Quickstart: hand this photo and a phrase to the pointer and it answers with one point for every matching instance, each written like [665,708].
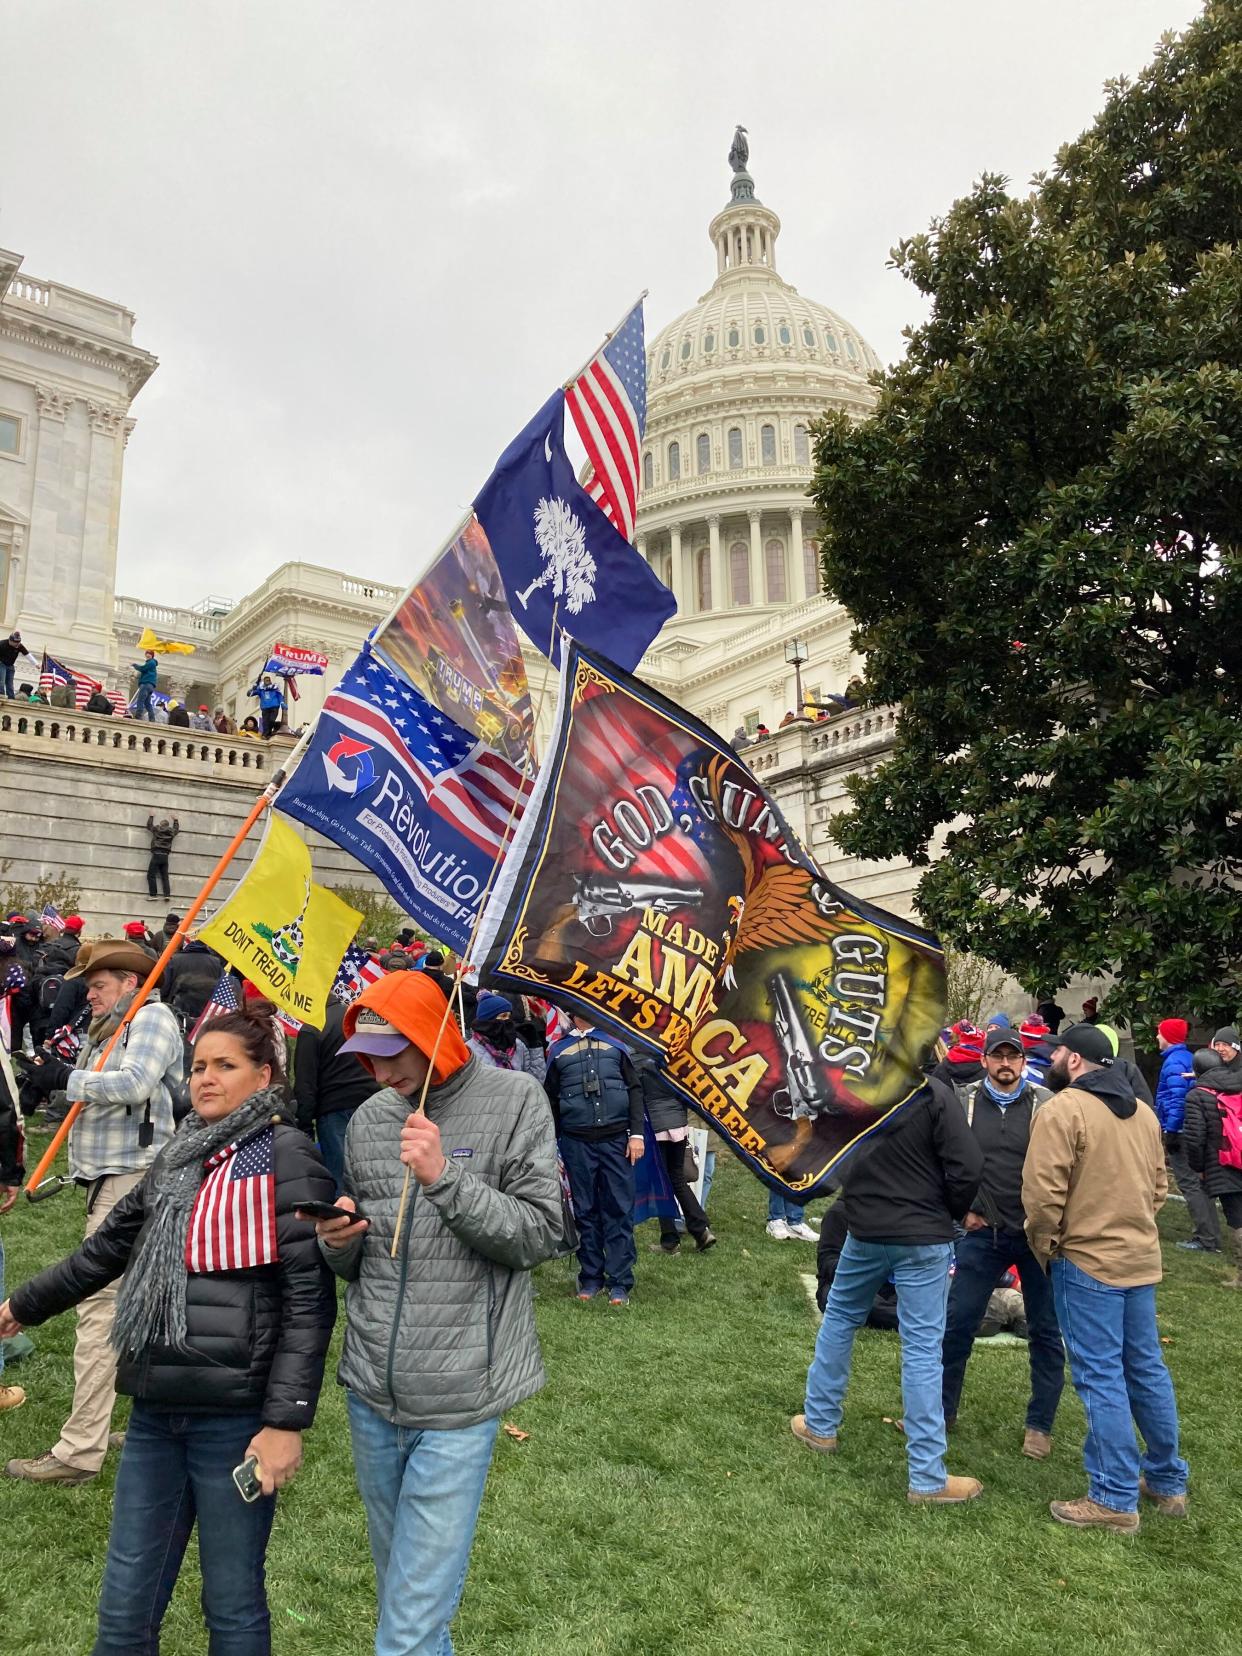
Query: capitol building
[734,384]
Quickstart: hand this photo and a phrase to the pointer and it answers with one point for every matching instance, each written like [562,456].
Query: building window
[703,448]
[802,449]
[739,573]
[767,445]
[674,462]
[735,337]
[735,448]
[774,566]
[709,344]
[750,721]
[810,567]
[760,335]
[808,337]
[784,335]
[685,350]
[10,434]
[648,470]
[666,356]
[703,579]
[851,350]
[830,340]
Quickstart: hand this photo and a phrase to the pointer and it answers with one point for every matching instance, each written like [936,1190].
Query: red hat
[1174,1030]
[134,928]
[1033,1030]
[965,1034]
[74,923]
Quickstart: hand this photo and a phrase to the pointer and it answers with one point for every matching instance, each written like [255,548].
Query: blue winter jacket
[593,1088]
[148,672]
[268,694]
[1177,1077]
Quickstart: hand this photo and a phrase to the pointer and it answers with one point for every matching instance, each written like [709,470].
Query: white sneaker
[778,1230]
[803,1232]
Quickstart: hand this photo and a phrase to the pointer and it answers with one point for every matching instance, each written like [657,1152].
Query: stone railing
[805,745]
[34,293]
[93,737]
[138,613]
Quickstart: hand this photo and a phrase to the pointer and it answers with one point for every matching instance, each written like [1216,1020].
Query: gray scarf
[150,1308]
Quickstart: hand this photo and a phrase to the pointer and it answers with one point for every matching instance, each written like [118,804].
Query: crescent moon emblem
[547,448]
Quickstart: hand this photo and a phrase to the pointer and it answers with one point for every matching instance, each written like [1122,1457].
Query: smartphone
[246,1477]
[325,1210]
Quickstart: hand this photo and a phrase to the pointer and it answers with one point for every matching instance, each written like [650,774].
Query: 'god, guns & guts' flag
[655,886]
[281,930]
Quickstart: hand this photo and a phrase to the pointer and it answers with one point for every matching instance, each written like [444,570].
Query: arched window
[784,335]
[830,340]
[685,350]
[709,343]
[774,571]
[735,337]
[851,350]
[802,449]
[808,337]
[739,573]
[760,335]
[648,470]
[703,448]
[703,579]
[810,566]
[767,445]
[735,448]
[666,356]
[674,462]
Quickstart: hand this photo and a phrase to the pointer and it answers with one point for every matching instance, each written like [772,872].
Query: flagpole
[174,943]
[566,385]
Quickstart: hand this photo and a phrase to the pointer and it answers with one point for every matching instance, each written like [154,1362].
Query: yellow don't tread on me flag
[164,646]
[283,932]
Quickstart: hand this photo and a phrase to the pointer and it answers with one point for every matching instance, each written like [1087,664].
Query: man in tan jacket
[1093,1182]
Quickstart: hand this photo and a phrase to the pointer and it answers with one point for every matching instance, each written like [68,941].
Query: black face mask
[497,1032]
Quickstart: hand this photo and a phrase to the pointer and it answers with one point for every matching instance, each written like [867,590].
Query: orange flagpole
[213,879]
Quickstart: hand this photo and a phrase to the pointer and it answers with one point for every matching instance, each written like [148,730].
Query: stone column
[640,545]
[677,575]
[720,589]
[797,576]
[756,560]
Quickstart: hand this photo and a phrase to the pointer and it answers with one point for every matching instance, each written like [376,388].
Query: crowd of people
[1020,1191]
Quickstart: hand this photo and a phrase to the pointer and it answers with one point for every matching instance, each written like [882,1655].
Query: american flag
[464,781]
[233,1223]
[53,673]
[14,981]
[51,919]
[357,972]
[224,999]
[608,402]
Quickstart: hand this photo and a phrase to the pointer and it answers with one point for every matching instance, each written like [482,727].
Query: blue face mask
[1003,1098]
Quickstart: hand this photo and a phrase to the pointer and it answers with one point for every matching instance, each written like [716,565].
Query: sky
[367,239]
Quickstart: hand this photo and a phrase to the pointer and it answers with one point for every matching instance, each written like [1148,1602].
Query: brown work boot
[813,1440]
[1036,1445]
[47,1469]
[11,1397]
[955,1491]
[1168,1506]
[1085,1513]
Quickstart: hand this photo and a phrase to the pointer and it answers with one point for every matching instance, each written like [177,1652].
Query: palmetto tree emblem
[567,561]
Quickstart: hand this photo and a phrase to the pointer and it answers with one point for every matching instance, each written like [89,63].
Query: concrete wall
[76,798]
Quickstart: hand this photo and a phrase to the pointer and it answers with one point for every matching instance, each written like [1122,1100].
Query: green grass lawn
[661,1504]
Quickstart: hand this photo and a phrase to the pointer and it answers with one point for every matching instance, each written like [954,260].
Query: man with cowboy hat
[127,1120]
[441,1340]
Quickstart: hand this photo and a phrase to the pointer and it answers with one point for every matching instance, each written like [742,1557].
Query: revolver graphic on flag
[600,899]
[802,1097]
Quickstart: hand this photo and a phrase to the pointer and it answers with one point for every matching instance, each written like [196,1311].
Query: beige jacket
[1094,1180]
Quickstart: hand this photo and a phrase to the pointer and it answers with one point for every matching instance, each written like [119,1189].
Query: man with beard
[1092,1185]
[1000,1112]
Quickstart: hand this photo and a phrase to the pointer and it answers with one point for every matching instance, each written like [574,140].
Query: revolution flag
[411,796]
[560,558]
[282,932]
[655,886]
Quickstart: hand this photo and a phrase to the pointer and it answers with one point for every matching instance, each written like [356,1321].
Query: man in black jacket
[999,1112]
[162,833]
[190,979]
[902,1193]
[328,1088]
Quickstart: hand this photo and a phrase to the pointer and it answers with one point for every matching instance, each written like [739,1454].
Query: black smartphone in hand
[326,1210]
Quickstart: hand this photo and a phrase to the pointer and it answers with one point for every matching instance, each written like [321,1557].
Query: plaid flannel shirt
[104,1138]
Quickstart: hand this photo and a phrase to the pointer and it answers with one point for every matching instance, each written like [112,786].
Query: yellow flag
[281,930]
[164,646]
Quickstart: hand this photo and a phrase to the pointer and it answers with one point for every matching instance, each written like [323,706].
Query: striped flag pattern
[357,972]
[608,403]
[53,673]
[233,1222]
[51,919]
[223,999]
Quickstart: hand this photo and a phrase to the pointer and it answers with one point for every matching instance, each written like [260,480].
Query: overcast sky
[366,239]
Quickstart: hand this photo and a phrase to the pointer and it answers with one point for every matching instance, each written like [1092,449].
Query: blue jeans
[920,1273]
[780,1207]
[421,1491]
[602,1182]
[1118,1371]
[176,1469]
[6,680]
[981,1257]
[330,1133]
[142,703]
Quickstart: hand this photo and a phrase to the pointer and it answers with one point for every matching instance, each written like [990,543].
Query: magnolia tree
[1038,538]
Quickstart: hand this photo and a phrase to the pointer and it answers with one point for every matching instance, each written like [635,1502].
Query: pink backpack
[1230,1129]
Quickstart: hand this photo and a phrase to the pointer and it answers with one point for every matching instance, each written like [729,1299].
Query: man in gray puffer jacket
[441,1339]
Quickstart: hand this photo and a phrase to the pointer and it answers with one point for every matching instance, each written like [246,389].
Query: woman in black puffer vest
[222,1327]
